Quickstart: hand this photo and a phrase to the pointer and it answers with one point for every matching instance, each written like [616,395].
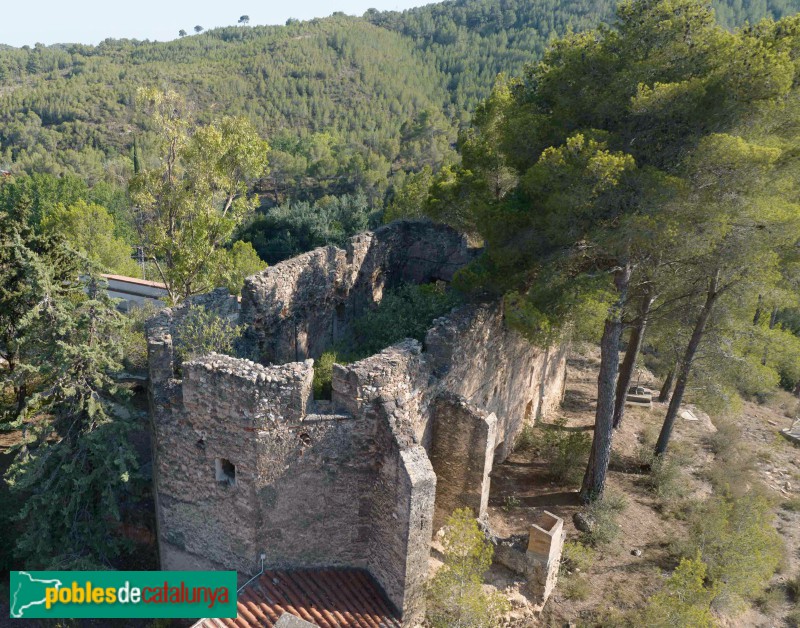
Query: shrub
[526,439]
[738,542]
[644,451]
[134,342]
[604,513]
[770,600]
[736,477]
[405,312]
[733,473]
[725,439]
[792,505]
[575,587]
[576,557]
[565,451]
[323,375]
[240,262]
[666,480]
[201,332]
[299,226]
[455,594]
[611,617]
[793,619]
[684,600]
[793,589]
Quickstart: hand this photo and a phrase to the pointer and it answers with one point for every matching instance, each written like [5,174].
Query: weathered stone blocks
[461,452]
[246,462]
[537,557]
[298,308]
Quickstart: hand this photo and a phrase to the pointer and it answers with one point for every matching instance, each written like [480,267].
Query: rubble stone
[246,461]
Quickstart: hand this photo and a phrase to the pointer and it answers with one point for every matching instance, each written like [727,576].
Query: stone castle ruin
[248,464]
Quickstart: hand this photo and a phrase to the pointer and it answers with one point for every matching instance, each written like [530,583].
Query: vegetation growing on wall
[404,312]
[296,227]
[201,331]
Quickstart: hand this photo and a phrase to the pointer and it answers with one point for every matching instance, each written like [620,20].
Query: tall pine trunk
[666,389]
[631,353]
[757,315]
[773,320]
[686,364]
[594,480]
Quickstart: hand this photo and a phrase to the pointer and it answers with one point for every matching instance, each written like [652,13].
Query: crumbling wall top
[222,386]
[300,307]
[243,448]
[396,378]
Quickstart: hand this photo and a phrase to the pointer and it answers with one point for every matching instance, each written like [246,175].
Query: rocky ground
[627,571]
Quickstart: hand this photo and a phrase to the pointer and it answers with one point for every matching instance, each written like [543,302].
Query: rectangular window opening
[226,471]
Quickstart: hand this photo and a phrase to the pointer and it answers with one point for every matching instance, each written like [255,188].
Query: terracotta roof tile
[329,598]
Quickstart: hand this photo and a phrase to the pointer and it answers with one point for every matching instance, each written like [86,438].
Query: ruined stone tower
[246,462]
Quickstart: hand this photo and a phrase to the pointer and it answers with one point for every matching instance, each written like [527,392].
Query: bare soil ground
[619,581]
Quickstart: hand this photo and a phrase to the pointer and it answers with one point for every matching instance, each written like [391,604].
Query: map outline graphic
[17,613]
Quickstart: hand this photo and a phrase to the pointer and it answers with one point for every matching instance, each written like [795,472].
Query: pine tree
[614,162]
[75,461]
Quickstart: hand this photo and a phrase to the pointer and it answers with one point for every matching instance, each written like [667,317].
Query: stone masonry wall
[311,490]
[298,308]
[226,407]
[364,480]
[476,356]
[461,453]
[390,386]
[298,475]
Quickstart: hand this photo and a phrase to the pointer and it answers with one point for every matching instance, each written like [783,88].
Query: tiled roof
[330,598]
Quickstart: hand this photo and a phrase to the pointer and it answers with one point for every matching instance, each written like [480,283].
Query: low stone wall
[536,556]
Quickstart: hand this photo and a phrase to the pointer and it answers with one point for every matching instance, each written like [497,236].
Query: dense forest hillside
[332,93]
[345,102]
[471,41]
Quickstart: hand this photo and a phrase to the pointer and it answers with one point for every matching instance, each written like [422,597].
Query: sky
[91,21]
